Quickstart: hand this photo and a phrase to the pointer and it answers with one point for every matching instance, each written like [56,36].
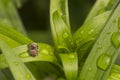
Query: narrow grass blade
[7,31]
[45,53]
[62,35]
[103,53]
[70,65]
[18,69]
[18,3]
[99,7]
[87,34]
[62,7]
[13,16]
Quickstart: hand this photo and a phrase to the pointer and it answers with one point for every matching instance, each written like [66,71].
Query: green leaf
[18,3]
[103,45]
[70,65]
[62,35]
[18,69]
[10,42]
[86,35]
[13,15]
[100,7]
[13,34]
[62,7]
[45,53]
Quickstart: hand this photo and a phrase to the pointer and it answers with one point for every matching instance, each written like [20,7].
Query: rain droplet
[24,55]
[16,63]
[28,76]
[104,61]
[44,51]
[72,56]
[89,69]
[116,39]
[119,23]
[65,35]
[89,32]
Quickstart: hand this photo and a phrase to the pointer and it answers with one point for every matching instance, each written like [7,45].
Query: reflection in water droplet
[116,39]
[65,35]
[104,61]
[44,51]
[89,32]
[119,23]
[28,76]
[16,63]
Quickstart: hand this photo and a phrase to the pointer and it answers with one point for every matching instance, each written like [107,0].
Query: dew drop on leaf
[24,55]
[116,39]
[16,63]
[119,23]
[89,69]
[104,61]
[44,51]
[65,35]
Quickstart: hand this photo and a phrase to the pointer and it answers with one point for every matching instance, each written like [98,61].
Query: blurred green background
[35,17]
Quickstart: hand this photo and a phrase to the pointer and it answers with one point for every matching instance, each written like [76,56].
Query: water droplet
[116,39]
[44,51]
[24,55]
[89,69]
[16,63]
[89,32]
[28,76]
[65,35]
[119,22]
[72,56]
[104,61]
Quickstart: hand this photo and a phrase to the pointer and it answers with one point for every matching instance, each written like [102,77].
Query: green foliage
[89,54]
